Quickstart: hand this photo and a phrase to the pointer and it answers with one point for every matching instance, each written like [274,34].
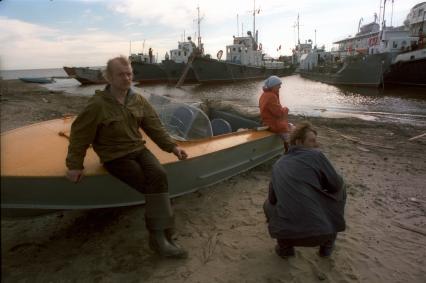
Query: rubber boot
[286,146]
[160,224]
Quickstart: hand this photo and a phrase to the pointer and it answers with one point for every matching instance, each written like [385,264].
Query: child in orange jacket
[273,114]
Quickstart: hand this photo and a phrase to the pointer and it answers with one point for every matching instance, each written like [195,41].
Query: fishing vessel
[180,60]
[176,67]
[362,60]
[409,67]
[220,144]
[170,70]
[146,69]
[245,60]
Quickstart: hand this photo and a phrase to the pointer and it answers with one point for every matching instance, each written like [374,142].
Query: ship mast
[254,34]
[254,17]
[198,22]
[384,7]
[298,38]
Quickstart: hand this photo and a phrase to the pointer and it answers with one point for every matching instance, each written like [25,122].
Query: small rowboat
[33,162]
[41,80]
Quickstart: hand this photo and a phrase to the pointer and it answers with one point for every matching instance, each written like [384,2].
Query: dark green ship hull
[366,70]
[214,71]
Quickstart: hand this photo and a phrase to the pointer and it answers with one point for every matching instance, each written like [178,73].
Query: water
[32,73]
[301,96]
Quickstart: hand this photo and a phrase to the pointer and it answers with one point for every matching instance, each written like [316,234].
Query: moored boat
[146,69]
[409,67]
[33,166]
[86,75]
[360,60]
[177,63]
[39,80]
[357,70]
[169,70]
[245,60]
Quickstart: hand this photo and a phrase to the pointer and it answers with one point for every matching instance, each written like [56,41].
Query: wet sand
[223,226]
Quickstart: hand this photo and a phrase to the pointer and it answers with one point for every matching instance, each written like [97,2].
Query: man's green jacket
[113,128]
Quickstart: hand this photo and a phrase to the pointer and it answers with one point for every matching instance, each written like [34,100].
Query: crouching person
[306,201]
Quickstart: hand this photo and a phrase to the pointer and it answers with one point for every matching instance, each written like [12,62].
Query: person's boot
[160,224]
[286,146]
[285,252]
[159,243]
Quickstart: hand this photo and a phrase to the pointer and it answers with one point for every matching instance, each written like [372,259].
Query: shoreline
[223,226]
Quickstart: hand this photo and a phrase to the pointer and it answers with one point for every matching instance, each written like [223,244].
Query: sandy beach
[223,226]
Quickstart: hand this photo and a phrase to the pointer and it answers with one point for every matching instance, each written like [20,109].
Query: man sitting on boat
[307,197]
[273,114]
[111,122]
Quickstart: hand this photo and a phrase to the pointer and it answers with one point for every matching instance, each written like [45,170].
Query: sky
[55,33]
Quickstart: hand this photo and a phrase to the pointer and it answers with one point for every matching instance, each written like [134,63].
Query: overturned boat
[220,144]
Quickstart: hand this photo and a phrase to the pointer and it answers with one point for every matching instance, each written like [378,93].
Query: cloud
[26,45]
[180,14]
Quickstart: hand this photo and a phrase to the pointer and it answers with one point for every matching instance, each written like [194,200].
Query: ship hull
[175,70]
[148,73]
[213,71]
[410,73]
[365,70]
[85,75]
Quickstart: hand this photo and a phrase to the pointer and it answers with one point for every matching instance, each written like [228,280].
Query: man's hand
[75,175]
[180,153]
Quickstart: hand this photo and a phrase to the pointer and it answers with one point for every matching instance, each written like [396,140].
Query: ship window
[184,53]
[179,53]
[233,48]
[394,44]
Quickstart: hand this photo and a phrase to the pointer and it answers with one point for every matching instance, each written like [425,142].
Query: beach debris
[415,200]
[409,228]
[363,149]
[45,100]
[358,140]
[209,248]
[417,137]
[321,276]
